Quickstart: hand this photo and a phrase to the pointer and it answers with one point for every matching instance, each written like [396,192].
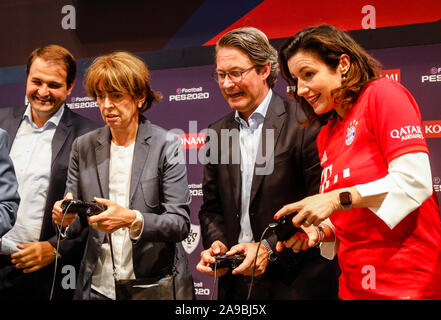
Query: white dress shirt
[31,153]
[120,170]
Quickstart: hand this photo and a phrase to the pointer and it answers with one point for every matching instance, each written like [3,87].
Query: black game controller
[284,228]
[82,208]
[230,262]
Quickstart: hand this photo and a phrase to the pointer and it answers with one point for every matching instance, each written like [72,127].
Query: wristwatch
[271,256]
[136,226]
[346,200]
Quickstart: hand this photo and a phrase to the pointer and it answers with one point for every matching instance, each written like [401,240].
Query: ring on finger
[306,223]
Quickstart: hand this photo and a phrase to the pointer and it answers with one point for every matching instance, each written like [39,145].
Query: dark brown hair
[329,43]
[56,54]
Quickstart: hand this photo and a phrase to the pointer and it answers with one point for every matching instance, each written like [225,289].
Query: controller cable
[214,281]
[271,226]
[60,234]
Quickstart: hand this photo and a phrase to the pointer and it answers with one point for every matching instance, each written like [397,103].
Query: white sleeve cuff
[329,249]
[408,184]
[137,226]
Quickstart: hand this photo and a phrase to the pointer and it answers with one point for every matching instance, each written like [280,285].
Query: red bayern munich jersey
[377,262]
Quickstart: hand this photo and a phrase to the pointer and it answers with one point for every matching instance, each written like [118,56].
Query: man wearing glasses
[271,161]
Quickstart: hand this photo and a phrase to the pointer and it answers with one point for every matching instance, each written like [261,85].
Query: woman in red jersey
[376,207]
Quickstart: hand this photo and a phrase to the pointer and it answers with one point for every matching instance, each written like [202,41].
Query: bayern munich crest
[192,241]
[350,135]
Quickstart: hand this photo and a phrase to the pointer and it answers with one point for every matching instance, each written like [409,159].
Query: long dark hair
[329,43]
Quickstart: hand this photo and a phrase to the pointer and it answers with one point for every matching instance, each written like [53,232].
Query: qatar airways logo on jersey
[407,133]
[186,94]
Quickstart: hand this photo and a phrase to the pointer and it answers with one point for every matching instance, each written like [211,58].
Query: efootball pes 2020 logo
[188,94]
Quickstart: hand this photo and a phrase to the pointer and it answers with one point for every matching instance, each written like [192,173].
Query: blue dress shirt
[249,140]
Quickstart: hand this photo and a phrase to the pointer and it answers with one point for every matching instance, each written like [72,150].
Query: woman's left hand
[301,240]
[112,219]
[312,210]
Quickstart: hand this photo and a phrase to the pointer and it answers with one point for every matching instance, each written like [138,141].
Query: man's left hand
[33,256]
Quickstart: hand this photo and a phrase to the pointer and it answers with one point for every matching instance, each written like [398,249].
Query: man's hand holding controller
[65,211]
[58,215]
[102,214]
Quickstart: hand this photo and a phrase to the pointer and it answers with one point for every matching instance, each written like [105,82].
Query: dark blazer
[9,198]
[158,189]
[296,174]
[71,125]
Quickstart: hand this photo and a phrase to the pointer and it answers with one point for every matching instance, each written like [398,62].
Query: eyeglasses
[235,76]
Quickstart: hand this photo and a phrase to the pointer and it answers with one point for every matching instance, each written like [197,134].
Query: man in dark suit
[270,162]
[40,139]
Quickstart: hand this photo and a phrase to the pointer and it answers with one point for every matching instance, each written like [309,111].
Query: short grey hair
[256,45]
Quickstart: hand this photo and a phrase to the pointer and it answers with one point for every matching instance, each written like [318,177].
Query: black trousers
[304,276]
[16,285]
